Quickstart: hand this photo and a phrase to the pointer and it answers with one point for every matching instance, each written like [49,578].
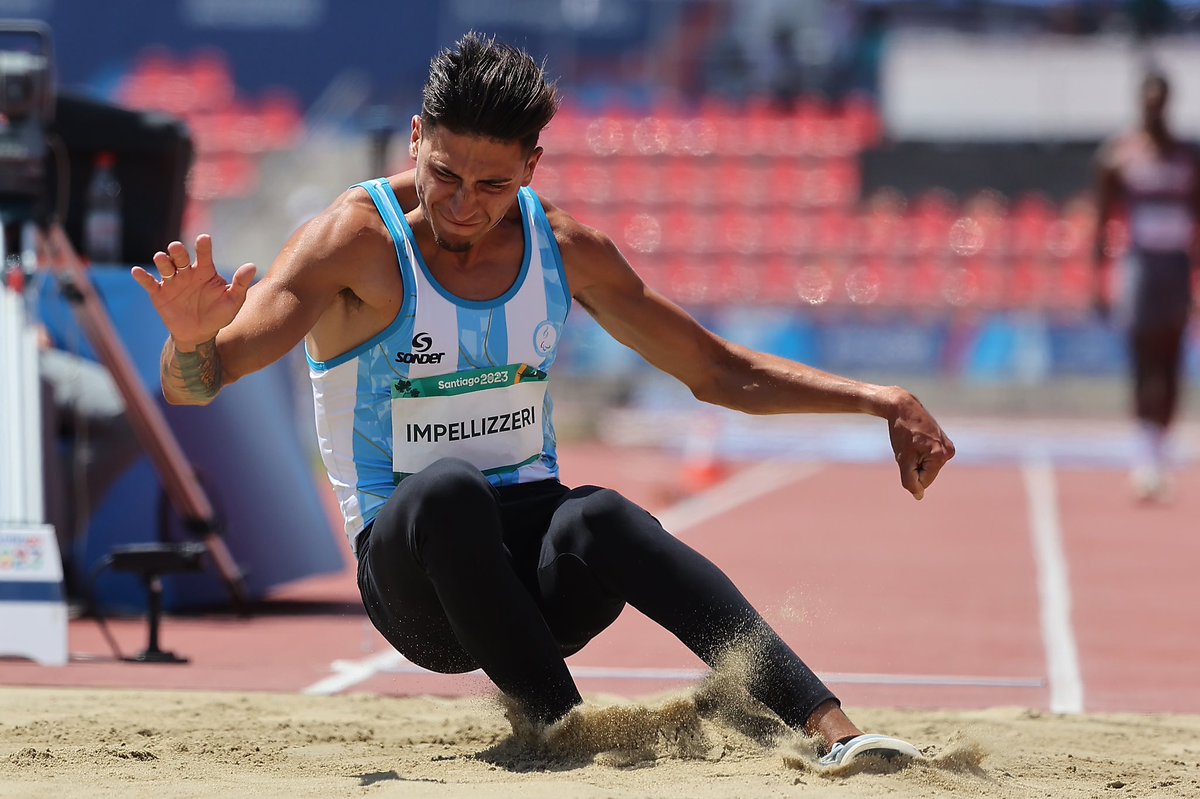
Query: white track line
[1054,587]
[348,673]
[351,672]
[746,485]
[739,489]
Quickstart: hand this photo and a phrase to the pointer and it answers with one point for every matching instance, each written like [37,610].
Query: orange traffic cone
[702,464]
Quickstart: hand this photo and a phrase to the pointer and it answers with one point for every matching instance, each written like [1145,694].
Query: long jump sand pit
[702,743]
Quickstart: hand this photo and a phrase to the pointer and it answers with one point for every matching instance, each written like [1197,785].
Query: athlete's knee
[607,517]
[607,507]
[447,488]
[441,503]
[441,660]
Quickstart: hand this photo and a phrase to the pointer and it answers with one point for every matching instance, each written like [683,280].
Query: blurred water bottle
[102,224]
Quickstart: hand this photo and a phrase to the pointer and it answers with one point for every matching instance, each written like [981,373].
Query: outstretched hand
[921,446]
[193,300]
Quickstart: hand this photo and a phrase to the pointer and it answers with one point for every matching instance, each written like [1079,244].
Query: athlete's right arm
[222,331]
[1108,187]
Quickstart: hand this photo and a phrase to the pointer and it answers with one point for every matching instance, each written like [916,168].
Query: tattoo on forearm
[195,375]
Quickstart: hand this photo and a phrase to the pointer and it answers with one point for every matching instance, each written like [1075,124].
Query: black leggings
[459,575]
[1157,371]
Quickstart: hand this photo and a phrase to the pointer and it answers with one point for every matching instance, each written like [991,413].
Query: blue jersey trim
[325,366]
[385,200]
[539,212]
[503,298]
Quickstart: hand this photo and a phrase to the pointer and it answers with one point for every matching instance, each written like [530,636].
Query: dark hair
[482,87]
[1155,79]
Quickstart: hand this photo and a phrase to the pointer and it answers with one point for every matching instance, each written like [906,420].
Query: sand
[701,743]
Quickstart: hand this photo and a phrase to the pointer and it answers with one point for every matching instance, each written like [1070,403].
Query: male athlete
[1154,180]
[431,305]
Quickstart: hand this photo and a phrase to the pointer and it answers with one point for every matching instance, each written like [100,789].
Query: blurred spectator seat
[229,131]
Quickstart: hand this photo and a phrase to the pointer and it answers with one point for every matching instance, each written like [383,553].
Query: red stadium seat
[652,270]
[638,181]
[211,80]
[740,183]
[690,181]
[862,120]
[163,85]
[689,280]
[280,120]
[641,232]
[923,283]
[929,233]
[878,234]
[244,130]
[975,283]
[651,136]
[833,231]
[1071,286]
[689,231]
[818,282]
[779,278]
[1065,239]
[786,183]
[222,176]
[791,233]
[599,217]
[742,232]
[595,183]
[894,276]
[717,129]
[864,284]
[1029,285]
[1031,217]
[835,183]
[564,136]
[606,136]
[548,182]
[737,279]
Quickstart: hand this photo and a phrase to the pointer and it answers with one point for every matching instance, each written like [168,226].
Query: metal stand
[153,654]
[151,561]
[179,480]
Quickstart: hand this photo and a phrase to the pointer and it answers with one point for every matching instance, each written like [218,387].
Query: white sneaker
[883,747]
[1149,483]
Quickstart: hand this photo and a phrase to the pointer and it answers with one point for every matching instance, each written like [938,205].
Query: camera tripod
[179,481]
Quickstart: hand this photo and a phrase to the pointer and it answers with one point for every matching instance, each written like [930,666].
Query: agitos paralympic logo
[421,344]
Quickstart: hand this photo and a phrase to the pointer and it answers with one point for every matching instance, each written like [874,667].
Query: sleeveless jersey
[1159,193]
[447,377]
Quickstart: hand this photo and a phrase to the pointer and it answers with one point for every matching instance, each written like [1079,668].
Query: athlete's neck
[1158,134]
[484,271]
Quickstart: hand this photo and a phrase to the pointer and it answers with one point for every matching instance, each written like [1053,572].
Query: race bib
[490,417]
[1161,227]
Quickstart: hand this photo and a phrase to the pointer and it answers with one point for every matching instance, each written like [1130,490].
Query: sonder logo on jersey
[421,344]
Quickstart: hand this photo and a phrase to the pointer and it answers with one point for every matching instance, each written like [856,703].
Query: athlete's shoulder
[590,257]
[1112,151]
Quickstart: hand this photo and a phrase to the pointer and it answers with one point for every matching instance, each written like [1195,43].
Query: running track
[1031,580]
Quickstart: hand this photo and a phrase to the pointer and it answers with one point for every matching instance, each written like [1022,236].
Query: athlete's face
[1154,102]
[466,184]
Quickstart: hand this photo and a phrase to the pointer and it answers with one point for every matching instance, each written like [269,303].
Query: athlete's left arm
[1195,152]
[723,373]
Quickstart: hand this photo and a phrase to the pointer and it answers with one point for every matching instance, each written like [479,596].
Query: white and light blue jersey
[437,333]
